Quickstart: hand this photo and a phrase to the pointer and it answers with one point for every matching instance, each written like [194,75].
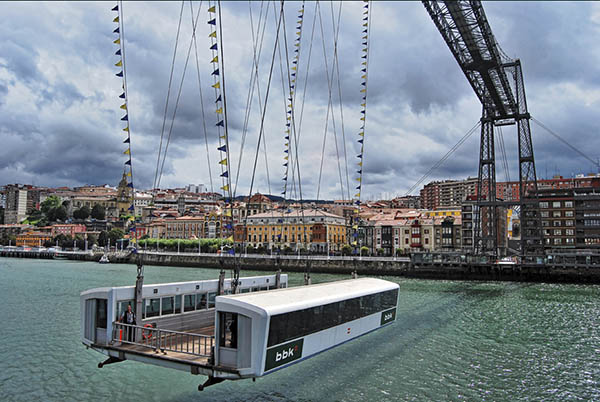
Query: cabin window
[167,305]
[189,303]
[151,307]
[245,290]
[201,301]
[178,304]
[211,300]
[101,316]
[228,330]
[295,324]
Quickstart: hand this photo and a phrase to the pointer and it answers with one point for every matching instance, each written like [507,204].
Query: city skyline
[420,104]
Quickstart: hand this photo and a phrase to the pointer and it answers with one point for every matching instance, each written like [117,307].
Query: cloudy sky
[60,117]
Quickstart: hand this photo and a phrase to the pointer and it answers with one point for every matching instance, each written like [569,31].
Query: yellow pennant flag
[212,34]
[359,163]
[286,144]
[355,227]
[291,93]
[365,49]
[363,90]
[356,211]
[364,77]
[299,22]
[223,162]
[230,238]
[127,152]
[215,59]
[289,117]
[365,37]
[357,195]
[287,131]
[364,63]
[285,158]
[363,104]
[126,129]
[297,44]
[223,137]
[217,85]
[354,243]
[128,174]
[119,64]
[361,134]
[212,9]
[117,41]
[116,19]
[228,212]
[219,110]
[294,80]
[225,187]
[365,24]
[298,33]
[362,118]
[358,179]
[123,106]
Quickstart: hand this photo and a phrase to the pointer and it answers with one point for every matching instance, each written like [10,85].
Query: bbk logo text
[282,354]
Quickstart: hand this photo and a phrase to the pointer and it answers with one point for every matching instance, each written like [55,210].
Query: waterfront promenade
[560,269]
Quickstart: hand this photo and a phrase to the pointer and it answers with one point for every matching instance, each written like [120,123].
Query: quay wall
[558,273]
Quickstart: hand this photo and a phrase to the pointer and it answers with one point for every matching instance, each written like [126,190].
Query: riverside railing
[163,340]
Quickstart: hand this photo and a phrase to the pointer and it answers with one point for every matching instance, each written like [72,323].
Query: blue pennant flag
[360,141]
[364,70]
[363,57]
[125,118]
[285,164]
[130,185]
[301,15]
[289,111]
[290,99]
[231,251]
[285,150]
[287,124]
[364,98]
[296,50]
[119,74]
[357,202]
[362,111]
[216,72]
[359,156]
[359,172]
[116,30]
[365,43]
[122,96]
[118,52]
[299,27]
[293,74]
[218,99]
[220,124]
[285,179]
[363,83]
[295,62]
[228,226]
[225,174]
[222,148]
[126,141]
[115,8]
[213,21]
[283,193]
[358,188]
[292,86]
[366,19]
[365,31]
[128,162]
[213,47]
[355,234]
[287,137]
[366,6]
[131,208]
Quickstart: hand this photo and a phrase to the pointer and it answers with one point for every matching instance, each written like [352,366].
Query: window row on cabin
[295,324]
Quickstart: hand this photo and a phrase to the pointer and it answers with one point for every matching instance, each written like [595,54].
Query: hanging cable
[162,131]
[444,158]
[202,101]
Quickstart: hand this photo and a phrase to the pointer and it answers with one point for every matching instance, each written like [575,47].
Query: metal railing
[163,340]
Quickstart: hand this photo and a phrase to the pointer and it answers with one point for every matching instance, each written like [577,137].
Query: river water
[453,340]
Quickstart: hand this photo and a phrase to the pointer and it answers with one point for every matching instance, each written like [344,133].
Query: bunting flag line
[290,107]
[355,220]
[119,41]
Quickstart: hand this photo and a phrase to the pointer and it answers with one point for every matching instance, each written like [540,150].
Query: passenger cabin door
[234,340]
[95,320]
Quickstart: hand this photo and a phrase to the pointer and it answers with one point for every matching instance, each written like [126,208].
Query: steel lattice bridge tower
[498,83]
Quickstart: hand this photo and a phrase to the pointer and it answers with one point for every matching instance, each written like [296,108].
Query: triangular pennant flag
[285,178]
[227,212]
[218,99]
[285,164]
[128,162]
[125,118]
[359,156]
[286,144]
[213,34]
[118,52]
[287,137]
[116,30]
[286,151]
[131,208]
[223,162]
[364,31]
[117,41]
[225,187]
[217,85]
[223,137]
[115,8]
[219,110]
[360,141]
[126,141]
[362,134]
[122,96]
[359,164]
[363,90]
[127,152]
[215,59]
[119,74]
[366,19]
[220,124]
[212,9]
[355,227]
[123,106]
[116,19]
[362,118]
[285,158]
[366,24]
[358,187]
[363,104]
[225,174]
[359,179]
[216,72]
[222,148]
[357,195]
[213,21]
[213,47]
[126,129]
[364,76]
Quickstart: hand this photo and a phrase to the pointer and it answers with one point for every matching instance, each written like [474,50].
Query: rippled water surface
[452,341]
